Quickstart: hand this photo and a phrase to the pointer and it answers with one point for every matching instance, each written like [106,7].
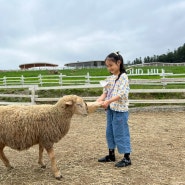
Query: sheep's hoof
[43,166]
[59,178]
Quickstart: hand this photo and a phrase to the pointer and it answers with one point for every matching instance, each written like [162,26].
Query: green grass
[96,91]
[68,72]
[92,71]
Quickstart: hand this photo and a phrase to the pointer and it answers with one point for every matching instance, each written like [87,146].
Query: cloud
[62,32]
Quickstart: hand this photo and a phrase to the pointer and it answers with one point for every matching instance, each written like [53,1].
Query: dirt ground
[158,154]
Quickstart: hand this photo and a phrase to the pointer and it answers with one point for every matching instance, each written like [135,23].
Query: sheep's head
[78,104]
[92,106]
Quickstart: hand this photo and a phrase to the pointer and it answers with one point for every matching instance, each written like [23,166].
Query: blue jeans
[117,131]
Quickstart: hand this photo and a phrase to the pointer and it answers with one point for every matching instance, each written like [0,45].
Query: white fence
[45,82]
[34,98]
[63,80]
[30,95]
[50,79]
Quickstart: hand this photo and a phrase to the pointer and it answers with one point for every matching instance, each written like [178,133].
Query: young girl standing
[115,100]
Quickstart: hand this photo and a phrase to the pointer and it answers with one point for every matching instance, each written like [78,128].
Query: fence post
[4,81]
[60,79]
[33,88]
[40,79]
[22,80]
[88,78]
[163,77]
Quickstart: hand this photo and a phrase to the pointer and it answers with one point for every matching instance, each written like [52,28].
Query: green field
[97,91]
[92,71]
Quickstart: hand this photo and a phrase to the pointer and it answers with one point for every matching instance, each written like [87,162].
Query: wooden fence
[34,99]
[49,80]
[62,80]
[30,95]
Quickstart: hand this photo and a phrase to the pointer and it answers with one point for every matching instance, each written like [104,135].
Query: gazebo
[39,64]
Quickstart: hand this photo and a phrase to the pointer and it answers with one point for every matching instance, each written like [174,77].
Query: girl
[115,100]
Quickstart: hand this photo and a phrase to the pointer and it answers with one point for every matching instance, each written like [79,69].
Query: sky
[60,32]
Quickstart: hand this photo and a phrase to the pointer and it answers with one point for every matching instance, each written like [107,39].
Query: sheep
[24,126]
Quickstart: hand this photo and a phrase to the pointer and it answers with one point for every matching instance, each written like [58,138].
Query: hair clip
[117,53]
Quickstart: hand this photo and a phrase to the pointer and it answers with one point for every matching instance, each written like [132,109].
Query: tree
[171,57]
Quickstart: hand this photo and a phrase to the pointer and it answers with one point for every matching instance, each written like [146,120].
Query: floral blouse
[119,88]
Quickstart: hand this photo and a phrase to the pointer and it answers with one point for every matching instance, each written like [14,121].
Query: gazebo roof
[39,64]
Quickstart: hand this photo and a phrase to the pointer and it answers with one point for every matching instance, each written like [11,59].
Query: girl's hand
[100,101]
[105,104]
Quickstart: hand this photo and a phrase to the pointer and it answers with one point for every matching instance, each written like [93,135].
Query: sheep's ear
[69,102]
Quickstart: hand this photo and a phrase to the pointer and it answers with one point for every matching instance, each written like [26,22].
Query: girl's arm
[106,103]
[102,97]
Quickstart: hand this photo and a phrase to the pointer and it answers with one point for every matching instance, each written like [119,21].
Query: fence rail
[133,101]
[63,80]
[31,95]
[35,99]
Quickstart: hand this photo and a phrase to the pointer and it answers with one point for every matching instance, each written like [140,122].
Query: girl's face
[113,67]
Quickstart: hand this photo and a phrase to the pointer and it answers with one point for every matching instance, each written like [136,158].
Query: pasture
[158,156]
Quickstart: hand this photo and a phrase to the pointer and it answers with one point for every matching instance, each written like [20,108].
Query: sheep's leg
[4,158]
[41,149]
[54,168]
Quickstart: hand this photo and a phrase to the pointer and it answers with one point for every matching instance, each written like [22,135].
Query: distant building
[38,64]
[87,64]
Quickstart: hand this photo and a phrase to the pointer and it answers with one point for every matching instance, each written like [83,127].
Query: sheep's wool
[24,126]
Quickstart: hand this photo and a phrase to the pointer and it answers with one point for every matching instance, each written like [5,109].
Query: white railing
[133,101]
[63,80]
[49,79]
[42,82]
[34,99]
[31,96]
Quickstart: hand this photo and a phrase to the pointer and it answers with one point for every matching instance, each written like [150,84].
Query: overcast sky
[63,31]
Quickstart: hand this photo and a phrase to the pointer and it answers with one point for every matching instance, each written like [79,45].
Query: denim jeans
[117,131]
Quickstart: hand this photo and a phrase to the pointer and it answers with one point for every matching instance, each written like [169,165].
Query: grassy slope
[98,91]
[93,72]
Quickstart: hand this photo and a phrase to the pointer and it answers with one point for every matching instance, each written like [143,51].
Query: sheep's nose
[85,113]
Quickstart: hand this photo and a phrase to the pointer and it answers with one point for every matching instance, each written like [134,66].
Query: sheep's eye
[79,105]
